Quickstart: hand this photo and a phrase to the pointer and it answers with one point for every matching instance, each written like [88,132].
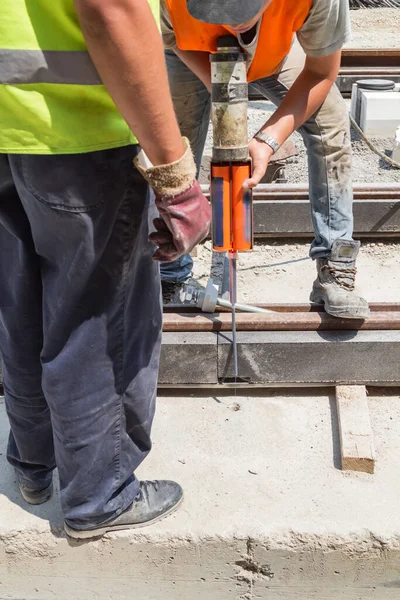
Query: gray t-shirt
[326,29]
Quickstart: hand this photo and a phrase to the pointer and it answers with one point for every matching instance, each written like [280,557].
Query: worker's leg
[327,139]
[30,447]
[101,321]
[192,106]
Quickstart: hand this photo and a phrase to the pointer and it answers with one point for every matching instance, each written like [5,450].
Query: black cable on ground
[372,146]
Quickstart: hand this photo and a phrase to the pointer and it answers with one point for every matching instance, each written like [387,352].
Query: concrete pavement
[267,512]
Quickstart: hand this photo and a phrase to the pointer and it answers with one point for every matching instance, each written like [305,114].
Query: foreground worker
[299,79]
[80,312]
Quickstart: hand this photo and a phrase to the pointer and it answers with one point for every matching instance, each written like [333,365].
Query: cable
[372,147]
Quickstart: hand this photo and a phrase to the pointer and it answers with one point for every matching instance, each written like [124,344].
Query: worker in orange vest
[293,57]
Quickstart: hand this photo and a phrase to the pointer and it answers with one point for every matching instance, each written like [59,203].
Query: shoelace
[339,275]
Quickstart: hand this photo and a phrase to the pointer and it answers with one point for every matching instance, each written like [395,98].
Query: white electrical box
[376,110]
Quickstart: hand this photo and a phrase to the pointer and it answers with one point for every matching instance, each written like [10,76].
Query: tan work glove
[185,212]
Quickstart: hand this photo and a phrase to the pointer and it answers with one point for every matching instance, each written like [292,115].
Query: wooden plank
[296,321]
[356,437]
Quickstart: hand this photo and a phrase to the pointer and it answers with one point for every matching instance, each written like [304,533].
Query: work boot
[155,501]
[334,286]
[36,496]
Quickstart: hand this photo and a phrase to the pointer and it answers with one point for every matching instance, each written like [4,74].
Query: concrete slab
[283,273]
[188,359]
[312,357]
[267,512]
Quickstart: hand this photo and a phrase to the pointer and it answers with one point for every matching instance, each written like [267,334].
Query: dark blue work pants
[80,323]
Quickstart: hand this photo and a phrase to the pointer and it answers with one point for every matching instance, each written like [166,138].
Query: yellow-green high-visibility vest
[51,97]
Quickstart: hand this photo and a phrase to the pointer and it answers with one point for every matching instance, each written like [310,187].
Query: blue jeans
[177,271]
[326,136]
[80,324]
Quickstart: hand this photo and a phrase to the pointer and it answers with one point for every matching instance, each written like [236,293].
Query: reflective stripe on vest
[47,66]
[280,20]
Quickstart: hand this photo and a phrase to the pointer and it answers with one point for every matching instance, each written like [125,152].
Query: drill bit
[233,297]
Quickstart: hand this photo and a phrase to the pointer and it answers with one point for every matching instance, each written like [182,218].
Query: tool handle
[232,207]
[220,192]
[242,208]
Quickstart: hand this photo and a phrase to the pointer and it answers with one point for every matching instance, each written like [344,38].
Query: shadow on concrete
[50,511]
[337,459]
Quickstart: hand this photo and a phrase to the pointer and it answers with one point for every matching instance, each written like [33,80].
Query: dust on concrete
[282,272]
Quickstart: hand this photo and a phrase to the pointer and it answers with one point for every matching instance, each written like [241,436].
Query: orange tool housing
[232,229]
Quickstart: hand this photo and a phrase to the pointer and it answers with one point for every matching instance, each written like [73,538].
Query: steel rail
[288,191]
[361,63]
[283,211]
[386,307]
[370,57]
[281,321]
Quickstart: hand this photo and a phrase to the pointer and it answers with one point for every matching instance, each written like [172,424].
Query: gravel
[375,28]
[368,167]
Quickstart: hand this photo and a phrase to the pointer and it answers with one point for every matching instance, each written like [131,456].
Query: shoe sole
[41,498]
[339,314]
[77,534]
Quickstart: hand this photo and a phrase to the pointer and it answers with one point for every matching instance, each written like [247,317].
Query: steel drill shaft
[233,294]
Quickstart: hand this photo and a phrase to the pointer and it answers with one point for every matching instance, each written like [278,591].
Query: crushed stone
[375,28]
[368,167]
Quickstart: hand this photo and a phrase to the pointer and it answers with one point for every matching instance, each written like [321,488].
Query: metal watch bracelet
[267,139]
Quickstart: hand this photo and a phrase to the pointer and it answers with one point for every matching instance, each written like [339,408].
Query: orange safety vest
[280,21]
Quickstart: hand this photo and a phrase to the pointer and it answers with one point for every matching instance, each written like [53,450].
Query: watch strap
[267,139]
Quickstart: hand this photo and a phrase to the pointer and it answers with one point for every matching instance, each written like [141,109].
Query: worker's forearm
[198,63]
[126,48]
[301,102]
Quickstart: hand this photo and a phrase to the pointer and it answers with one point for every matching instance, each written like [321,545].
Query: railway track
[300,345]
[360,63]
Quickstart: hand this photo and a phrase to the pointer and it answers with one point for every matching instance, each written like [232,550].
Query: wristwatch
[267,139]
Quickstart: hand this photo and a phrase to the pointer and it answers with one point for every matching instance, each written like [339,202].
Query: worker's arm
[302,100]
[198,63]
[126,48]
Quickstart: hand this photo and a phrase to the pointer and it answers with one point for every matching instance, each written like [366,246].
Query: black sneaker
[36,496]
[155,501]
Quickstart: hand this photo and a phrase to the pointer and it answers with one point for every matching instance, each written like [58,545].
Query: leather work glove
[185,213]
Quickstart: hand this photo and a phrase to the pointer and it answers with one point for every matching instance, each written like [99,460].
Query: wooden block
[356,437]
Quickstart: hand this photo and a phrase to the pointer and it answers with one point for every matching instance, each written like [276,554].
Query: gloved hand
[185,212]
